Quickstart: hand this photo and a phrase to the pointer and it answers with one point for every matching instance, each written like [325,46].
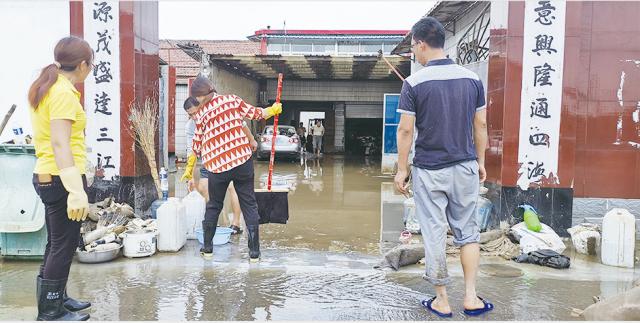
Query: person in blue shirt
[446,104]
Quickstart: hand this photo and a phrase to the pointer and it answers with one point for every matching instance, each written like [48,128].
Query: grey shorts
[317,142]
[446,198]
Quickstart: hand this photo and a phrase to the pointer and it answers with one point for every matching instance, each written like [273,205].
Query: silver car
[287,143]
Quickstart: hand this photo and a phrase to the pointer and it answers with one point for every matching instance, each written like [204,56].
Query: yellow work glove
[77,202]
[276,108]
[188,171]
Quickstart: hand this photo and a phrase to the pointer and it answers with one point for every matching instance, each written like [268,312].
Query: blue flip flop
[479,311]
[427,304]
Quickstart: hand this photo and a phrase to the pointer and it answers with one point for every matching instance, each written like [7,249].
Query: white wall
[451,40]
[29,30]
[182,93]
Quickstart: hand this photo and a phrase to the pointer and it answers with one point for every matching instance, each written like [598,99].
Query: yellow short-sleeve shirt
[62,101]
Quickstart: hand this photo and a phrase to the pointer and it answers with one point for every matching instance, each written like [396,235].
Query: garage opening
[363,130]
[363,137]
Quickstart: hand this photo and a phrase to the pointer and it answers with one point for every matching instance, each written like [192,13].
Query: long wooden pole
[7,117]
[390,65]
[275,133]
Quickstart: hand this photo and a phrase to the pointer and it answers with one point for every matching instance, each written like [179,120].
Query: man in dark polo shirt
[445,102]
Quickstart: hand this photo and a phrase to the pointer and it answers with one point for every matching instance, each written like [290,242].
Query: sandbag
[402,255]
[622,307]
[532,241]
[585,238]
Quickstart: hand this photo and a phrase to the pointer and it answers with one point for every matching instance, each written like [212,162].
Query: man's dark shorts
[204,173]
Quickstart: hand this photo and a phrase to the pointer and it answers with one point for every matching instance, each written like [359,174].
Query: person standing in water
[302,132]
[191,107]
[226,152]
[446,103]
[58,121]
[318,132]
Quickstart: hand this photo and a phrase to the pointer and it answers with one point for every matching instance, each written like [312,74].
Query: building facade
[339,77]
[562,102]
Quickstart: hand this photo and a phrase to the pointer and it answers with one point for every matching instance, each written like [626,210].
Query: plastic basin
[222,236]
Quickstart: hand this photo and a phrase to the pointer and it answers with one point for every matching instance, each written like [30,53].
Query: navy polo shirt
[444,97]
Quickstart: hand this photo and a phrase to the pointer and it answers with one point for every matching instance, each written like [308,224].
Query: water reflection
[313,175]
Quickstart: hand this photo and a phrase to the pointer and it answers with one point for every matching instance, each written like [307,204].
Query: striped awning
[313,67]
[310,67]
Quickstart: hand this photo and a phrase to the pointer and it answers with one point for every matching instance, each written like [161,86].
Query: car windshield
[282,131]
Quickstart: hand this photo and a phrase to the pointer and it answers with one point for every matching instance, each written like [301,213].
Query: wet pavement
[317,267]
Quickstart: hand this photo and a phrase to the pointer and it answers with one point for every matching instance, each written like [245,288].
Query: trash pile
[529,241]
[104,230]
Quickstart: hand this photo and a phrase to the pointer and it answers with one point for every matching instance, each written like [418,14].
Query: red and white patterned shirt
[219,138]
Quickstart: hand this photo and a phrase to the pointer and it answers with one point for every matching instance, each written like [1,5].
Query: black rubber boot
[253,235]
[74,305]
[209,231]
[69,303]
[50,302]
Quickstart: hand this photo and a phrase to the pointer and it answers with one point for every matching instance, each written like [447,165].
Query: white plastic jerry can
[195,206]
[618,238]
[172,230]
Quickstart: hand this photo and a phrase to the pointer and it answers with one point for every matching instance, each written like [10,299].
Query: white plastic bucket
[140,243]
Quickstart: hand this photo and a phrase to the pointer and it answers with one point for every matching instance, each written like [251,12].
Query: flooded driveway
[316,267]
[334,204]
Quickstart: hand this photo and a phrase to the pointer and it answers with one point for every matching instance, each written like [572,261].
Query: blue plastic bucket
[483,212]
[222,236]
[155,206]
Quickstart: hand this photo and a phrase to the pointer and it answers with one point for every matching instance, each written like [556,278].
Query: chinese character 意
[540,108]
[535,170]
[103,38]
[544,13]
[103,135]
[542,74]
[539,139]
[107,162]
[102,12]
[105,70]
[543,43]
[102,103]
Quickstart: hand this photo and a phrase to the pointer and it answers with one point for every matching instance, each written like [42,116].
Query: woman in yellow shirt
[58,121]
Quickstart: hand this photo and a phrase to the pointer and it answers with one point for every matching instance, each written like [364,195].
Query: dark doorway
[363,137]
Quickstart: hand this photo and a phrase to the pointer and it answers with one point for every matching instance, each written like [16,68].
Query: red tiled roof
[187,67]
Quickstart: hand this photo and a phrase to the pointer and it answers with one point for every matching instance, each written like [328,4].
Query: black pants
[242,177]
[62,234]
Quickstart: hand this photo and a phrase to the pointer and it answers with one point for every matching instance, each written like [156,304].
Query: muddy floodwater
[317,267]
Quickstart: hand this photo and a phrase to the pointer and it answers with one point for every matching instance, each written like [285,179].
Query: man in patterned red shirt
[226,153]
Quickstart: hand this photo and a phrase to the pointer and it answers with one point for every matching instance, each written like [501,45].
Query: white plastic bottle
[164,183]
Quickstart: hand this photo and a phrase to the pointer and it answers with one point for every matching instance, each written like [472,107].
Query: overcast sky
[239,19]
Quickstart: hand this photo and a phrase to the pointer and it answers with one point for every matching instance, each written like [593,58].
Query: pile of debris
[103,229]
[529,242]
[492,243]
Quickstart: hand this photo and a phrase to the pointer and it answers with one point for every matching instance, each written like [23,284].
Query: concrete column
[134,47]
[339,127]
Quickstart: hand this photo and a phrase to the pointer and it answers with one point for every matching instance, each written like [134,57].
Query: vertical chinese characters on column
[541,100]
[102,91]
